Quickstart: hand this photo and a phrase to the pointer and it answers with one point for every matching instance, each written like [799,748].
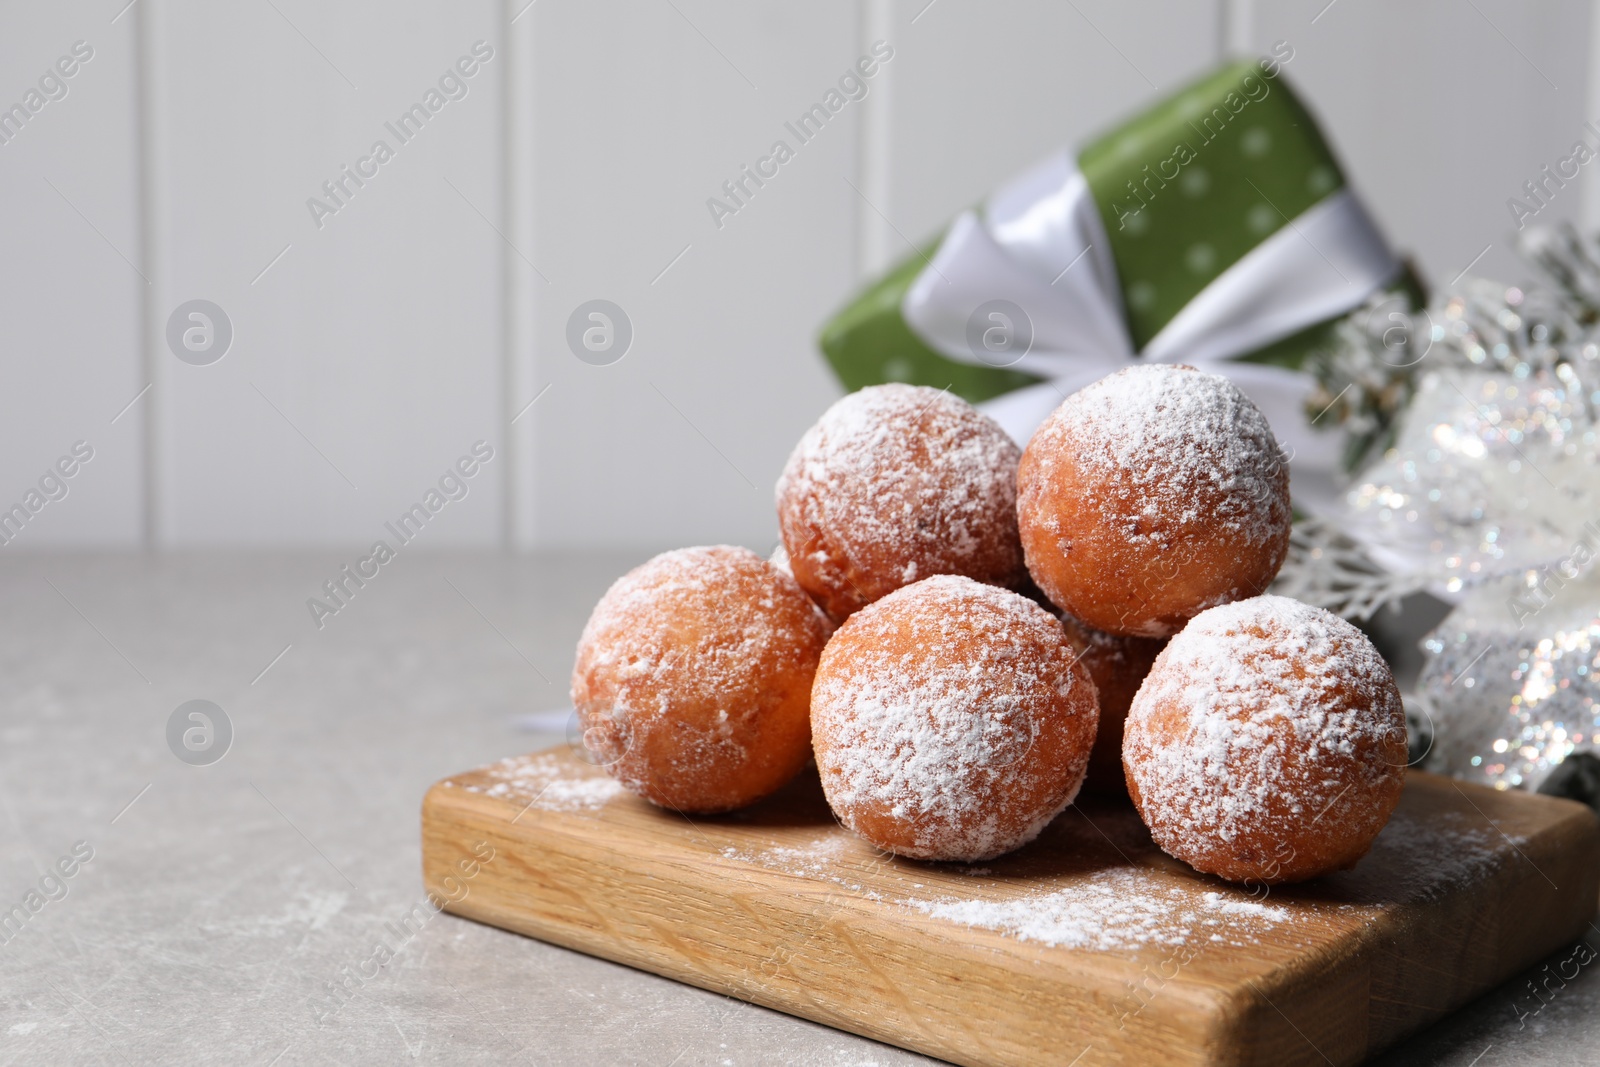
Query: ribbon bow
[1032,284]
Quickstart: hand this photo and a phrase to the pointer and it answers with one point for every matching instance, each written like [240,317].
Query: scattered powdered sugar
[1116,909]
[1263,716]
[547,783]
[1113,909]
[817,859]
[895,483]
[1449,850]
[1124,908]
[578,794]
[928,705]
[1169,447]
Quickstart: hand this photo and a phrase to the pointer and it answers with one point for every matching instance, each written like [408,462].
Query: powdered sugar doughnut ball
[1118,665]
[693,678]
[951,721]
[1151,495]
[897,483]
[1268,743]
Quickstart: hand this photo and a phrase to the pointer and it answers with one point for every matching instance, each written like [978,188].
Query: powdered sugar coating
[896,483]
[1150,495]
[693,678]
[951,720]
[544,781]
[1122,908]
[1267,743]
[1176,438]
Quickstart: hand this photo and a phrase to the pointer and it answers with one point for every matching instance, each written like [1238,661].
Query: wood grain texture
[780,906]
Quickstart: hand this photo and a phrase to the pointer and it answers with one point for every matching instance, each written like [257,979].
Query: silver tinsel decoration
[1508,705]
[1486,489]
[1494,461]
[1491,472]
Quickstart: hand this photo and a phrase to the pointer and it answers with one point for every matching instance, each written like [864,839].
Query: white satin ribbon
[1041,245]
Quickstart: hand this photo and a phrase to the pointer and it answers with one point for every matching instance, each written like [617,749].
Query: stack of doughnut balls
[963,634]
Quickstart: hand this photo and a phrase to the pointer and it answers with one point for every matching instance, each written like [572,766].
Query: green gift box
[1215,228]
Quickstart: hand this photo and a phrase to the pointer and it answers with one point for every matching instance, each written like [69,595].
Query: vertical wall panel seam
[861,238]
[873,154]
[1235,23]
[509,495]
[1589,211]
[145,152]
[522,306]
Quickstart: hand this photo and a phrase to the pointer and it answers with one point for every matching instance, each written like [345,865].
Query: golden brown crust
[693,678]
[896,483]
[1267,744]
[951,720]
[1151,495]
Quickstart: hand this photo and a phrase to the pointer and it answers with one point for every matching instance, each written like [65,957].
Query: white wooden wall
[373,351]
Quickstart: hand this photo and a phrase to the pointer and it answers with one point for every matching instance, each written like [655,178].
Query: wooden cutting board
[1088,947]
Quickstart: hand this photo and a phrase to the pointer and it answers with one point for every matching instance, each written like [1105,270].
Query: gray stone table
[221,900]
